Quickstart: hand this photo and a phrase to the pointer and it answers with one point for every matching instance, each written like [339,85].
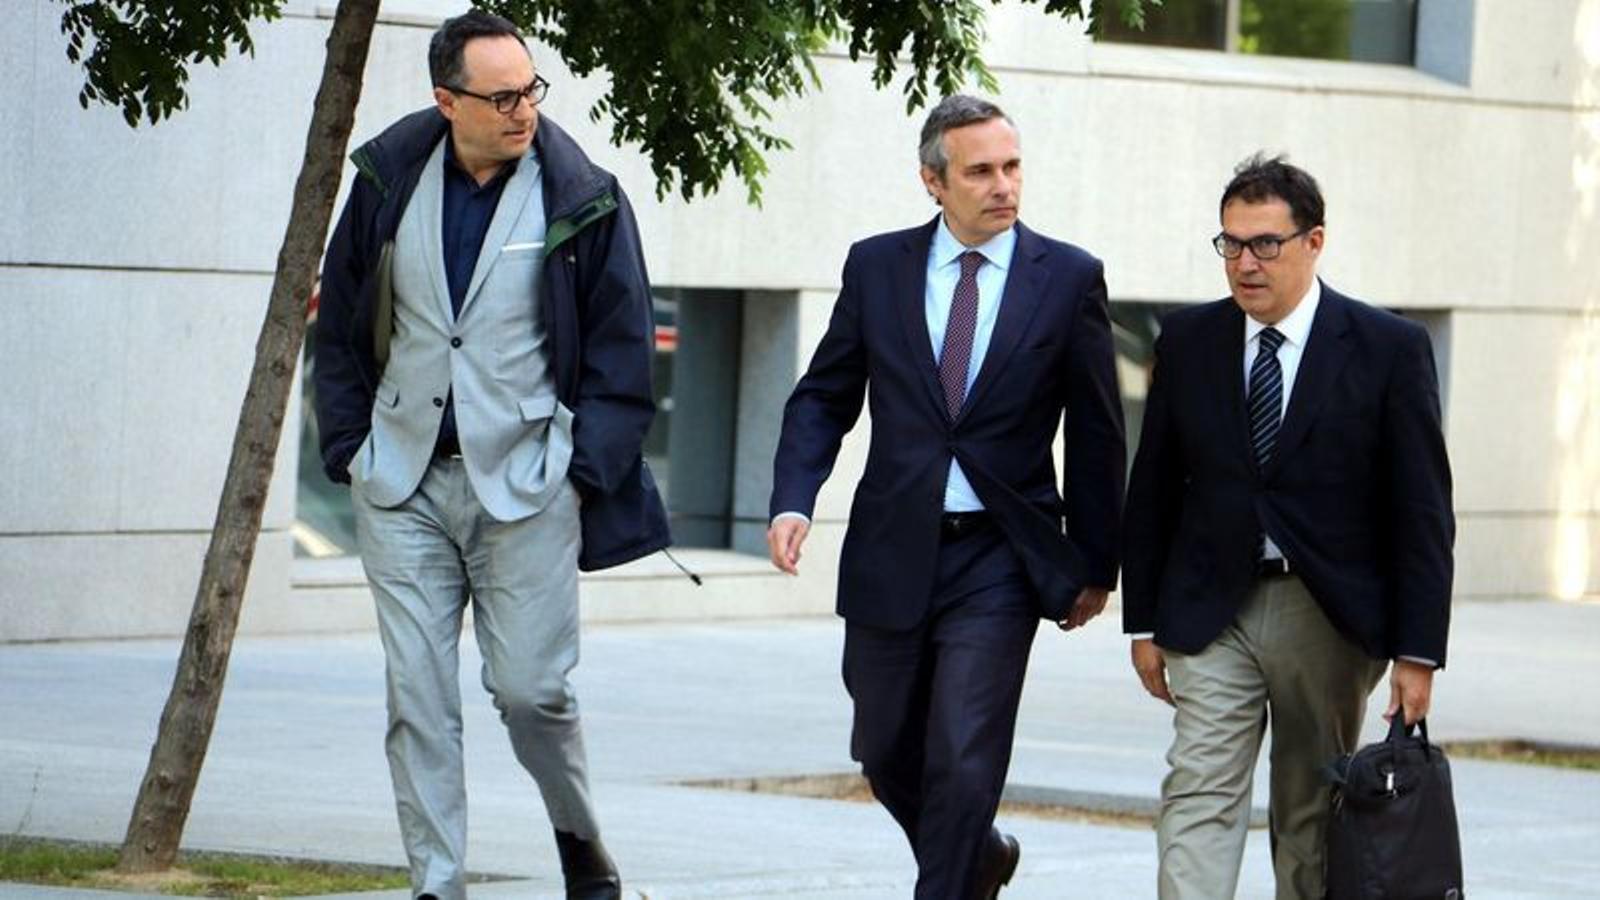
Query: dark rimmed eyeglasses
[1262,246]
[506,102]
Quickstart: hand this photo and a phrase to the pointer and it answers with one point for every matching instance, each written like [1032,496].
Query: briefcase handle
[1336,772]
[1399,729]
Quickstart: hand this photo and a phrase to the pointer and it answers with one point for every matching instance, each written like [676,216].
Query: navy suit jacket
[1357,493]
[1050,356]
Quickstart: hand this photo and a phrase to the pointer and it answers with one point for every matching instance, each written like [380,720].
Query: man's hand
[1090,603]
[1152,669]
[784,538]
[1410,688]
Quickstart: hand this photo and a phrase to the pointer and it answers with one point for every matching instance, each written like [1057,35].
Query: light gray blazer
[516,437]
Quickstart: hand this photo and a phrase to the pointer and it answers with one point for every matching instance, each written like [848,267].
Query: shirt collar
[996,251]
[1296,326]
[452,165]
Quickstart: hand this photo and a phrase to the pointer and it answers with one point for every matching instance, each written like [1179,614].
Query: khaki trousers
[1280,662]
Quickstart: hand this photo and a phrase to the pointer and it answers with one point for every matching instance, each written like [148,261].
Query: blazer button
[455,342]
[438,401]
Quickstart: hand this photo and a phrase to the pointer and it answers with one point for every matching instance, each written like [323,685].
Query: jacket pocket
[388,394]
[550,412]
[537,409]
[547,420]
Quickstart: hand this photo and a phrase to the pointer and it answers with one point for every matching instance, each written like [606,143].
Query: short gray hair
[954,111]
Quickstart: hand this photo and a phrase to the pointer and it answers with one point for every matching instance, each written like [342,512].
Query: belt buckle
[1272,568]
[960,524]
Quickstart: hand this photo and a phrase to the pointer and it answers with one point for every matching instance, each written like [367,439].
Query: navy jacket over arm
[1050,360]
[1357,494]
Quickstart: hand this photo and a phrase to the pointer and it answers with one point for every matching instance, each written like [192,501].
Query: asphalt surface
[296,765]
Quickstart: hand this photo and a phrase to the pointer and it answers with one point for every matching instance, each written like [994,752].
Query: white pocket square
[530,245]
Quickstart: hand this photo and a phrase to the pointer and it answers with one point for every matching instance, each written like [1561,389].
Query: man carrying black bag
[1288,537]
[1393,834]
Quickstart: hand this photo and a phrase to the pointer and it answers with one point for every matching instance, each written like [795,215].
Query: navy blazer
[1357,493]
[1050,357]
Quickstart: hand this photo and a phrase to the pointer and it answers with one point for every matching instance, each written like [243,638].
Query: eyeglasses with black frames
[506,102]
[1262,246]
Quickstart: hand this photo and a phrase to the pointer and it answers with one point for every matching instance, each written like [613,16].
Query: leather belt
[961,524]
[447,448]
[1273,568]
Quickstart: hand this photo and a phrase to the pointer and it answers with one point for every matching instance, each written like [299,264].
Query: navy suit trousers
[936,707]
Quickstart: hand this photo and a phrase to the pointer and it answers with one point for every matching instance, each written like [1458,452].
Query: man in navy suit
[1289,534]
[973,337]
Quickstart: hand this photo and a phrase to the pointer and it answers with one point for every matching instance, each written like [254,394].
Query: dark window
[1135,327]
[691,444]
[1382,31]
[1199,24]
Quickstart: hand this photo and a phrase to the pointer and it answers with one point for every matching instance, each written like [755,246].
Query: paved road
[296,766]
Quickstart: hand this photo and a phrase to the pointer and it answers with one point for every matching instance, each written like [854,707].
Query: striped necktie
[1265,400]
[959,331]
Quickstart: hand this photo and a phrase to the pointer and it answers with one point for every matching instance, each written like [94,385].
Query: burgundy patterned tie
[958,333]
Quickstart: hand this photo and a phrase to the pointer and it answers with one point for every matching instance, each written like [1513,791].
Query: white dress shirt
[1296,330]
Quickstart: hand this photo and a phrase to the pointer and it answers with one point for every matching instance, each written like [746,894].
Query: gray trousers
[424,559]
[1280,661]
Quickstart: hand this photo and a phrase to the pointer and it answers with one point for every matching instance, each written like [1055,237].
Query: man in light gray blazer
[483,383]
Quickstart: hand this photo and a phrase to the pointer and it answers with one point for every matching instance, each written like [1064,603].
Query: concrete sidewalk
[296,766]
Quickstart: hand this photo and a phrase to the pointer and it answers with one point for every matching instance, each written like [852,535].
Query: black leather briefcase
[1393,834]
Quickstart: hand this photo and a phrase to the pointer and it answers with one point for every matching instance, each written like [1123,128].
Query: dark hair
[1259,179]
[953,111]
[448,46]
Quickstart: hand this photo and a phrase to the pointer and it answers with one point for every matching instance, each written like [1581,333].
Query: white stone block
[65,357]
[1524,421]
[1503,67]
[17,86]
[118,585]
[127,396]
[1499,557]
[207,189]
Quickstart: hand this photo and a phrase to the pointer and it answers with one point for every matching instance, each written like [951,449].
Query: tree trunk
[162,807]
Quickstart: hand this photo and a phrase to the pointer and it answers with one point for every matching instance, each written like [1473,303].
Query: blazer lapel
[512,200]
[1018,302]
[429,196]
[1327,351]
[1229,337]
[910,285]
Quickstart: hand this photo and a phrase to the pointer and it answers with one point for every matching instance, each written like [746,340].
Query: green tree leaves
[692,81]
[136,53]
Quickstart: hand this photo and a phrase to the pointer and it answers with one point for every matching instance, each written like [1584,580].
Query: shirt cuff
[1142,636]
[790,515]
[1420,660]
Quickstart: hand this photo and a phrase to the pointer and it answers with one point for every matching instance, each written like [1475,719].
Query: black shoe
[588,869]
[999,862]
